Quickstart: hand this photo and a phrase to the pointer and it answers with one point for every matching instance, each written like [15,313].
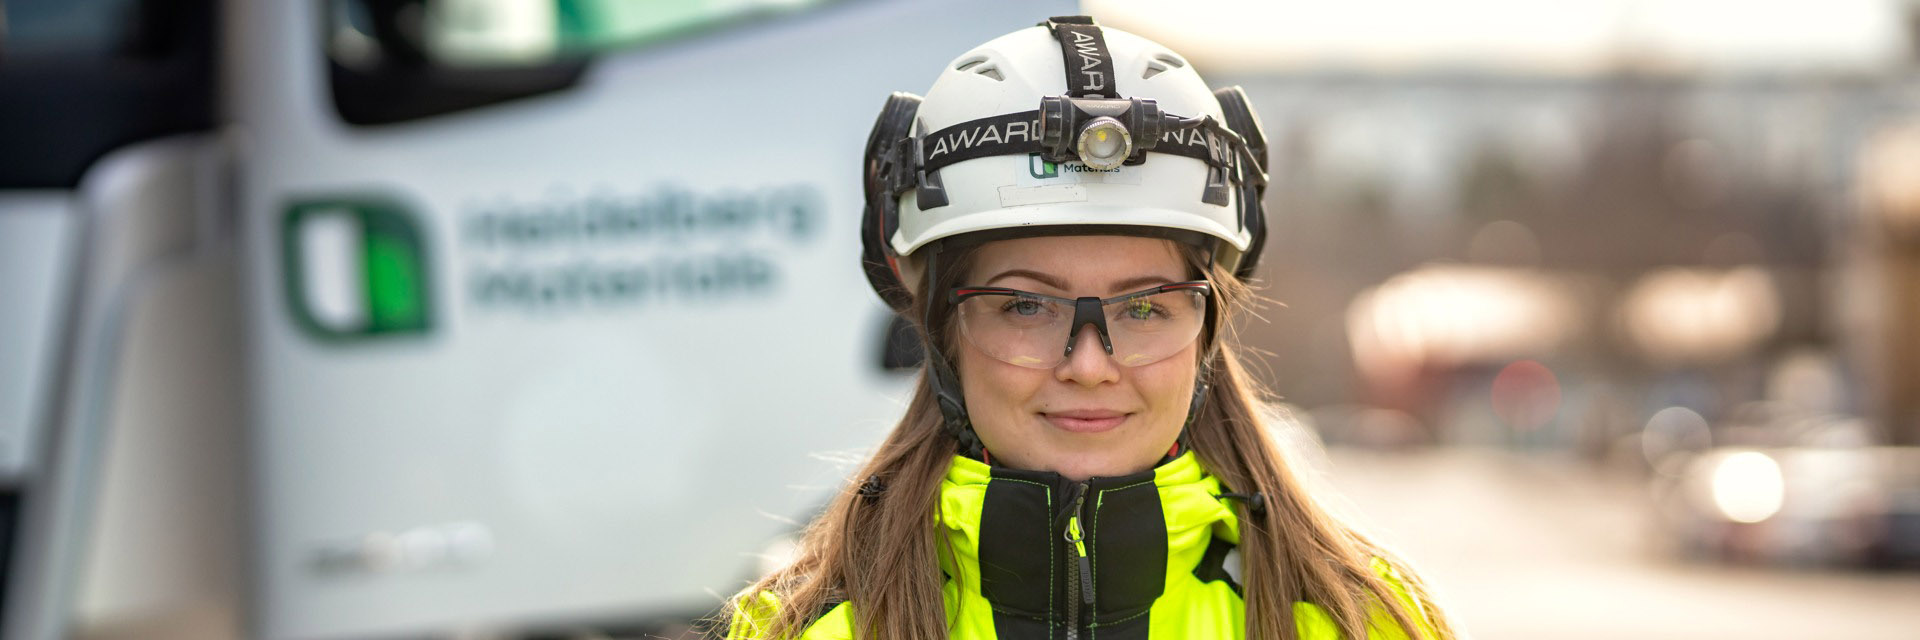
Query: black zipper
[1079,566]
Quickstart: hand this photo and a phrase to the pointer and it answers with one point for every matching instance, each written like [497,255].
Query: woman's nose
[1089,363]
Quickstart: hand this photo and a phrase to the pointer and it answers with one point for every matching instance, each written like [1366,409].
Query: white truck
[405,318]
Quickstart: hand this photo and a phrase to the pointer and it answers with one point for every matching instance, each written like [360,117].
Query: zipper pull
[1075,535]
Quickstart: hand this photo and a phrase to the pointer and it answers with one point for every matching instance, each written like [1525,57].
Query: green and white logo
[355,268]
[1042,172]
[1038,167]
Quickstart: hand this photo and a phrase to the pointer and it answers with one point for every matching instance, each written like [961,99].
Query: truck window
[80,78]
[399,60]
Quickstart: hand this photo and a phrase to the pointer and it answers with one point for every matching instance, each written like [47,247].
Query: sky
[1552,36]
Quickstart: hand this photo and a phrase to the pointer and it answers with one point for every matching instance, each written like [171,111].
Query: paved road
[1531,547]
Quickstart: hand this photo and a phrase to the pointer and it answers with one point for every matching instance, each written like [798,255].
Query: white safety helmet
[1065,127]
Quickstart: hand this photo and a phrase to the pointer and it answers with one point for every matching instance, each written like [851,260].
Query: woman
[1069,217]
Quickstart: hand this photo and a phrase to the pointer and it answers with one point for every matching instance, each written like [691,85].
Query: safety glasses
[1037,331]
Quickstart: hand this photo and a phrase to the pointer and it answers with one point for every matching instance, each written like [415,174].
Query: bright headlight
[1104,143]
[1748,487]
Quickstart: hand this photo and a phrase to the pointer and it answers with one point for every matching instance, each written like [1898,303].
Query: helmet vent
[980,65]
[1161,62]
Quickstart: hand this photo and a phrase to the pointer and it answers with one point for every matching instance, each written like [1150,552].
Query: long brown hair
[879,551]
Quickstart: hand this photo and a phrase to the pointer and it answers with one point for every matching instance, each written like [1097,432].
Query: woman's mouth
[1085,421]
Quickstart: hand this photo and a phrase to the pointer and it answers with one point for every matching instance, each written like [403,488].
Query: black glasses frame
[1086,309]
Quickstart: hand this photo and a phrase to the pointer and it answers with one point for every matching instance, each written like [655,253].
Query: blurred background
[366,319]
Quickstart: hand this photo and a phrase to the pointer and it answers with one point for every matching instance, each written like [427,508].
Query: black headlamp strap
[1004,134]
[1018,133]
[1203,143]
[1089,64]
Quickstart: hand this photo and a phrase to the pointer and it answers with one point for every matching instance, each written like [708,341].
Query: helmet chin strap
[941,374]
[1200,379]
[1200,389]
[953,408]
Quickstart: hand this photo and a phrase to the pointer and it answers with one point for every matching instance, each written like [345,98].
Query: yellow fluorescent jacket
[1036,556]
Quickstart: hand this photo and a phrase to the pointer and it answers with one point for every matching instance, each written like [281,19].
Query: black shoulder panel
[1213,565]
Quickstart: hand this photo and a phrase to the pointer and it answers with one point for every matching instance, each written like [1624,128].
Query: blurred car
[1809,505]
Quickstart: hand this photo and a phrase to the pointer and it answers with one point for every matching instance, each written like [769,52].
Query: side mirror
[386,65]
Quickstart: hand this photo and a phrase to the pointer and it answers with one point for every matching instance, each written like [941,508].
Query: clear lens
[1104,143]
[1032,331]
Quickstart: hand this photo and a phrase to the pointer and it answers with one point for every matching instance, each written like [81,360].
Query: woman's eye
[1023,307]
[1142,309]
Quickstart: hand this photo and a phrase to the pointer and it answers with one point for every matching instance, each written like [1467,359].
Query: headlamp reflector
[1104,143]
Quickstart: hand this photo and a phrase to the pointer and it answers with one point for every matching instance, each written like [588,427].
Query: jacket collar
[1140,532]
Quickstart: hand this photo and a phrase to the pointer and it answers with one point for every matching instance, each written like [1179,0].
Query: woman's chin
[1097,464]
[1080,455]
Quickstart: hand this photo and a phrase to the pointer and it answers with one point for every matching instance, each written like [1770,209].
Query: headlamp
[1102,133]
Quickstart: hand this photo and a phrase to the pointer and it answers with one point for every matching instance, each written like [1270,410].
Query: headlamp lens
[1104,143]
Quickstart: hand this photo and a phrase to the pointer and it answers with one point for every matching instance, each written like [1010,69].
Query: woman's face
[1089,415]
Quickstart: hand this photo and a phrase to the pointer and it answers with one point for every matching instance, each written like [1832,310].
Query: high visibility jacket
[1036,556]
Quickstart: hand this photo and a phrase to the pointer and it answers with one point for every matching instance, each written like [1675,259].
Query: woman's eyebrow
[1033,275]
[1131,285]
[1124,286]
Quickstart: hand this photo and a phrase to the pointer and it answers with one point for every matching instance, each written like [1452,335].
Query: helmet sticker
[1012,196]
[1035,170]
